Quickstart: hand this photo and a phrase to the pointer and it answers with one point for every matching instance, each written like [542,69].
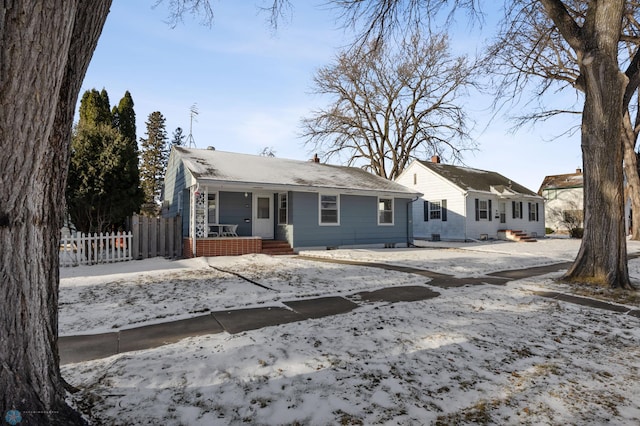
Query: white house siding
[435,188]
[490,228]
[559,201]
[461,221]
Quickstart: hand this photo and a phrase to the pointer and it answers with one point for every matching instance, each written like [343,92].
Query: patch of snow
[483,354]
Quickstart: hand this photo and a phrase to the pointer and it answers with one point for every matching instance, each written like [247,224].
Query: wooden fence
[87,249]
[153,236]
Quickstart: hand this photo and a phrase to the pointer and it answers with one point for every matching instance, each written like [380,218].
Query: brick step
[518,235]
[275,247]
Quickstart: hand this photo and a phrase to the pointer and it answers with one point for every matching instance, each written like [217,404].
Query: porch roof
[244,172]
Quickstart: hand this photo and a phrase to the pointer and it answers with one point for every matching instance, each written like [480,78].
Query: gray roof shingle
[477,180]
[213,165]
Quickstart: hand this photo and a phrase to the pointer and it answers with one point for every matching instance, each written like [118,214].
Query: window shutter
[513,210]
[529,210]
[426,211]
[520,209]
[490,212]
[444,210]
[477,210]
[537,216]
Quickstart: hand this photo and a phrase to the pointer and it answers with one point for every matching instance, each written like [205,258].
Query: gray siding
[358,222]
[236,208]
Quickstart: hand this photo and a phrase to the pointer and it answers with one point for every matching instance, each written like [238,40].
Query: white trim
[286,220]
[378,211]
[320,195]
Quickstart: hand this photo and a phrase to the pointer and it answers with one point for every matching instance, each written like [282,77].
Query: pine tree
[103,186]
[178,137]
[94,108]
[154,162]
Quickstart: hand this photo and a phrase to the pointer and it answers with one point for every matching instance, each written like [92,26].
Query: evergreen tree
[94,108]
[178,137]
[154,162]
[103,186]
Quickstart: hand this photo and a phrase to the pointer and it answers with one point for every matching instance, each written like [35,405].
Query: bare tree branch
[391,105]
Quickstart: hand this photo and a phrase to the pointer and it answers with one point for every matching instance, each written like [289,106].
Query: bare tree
[390,105]
[594,41]
[531,52]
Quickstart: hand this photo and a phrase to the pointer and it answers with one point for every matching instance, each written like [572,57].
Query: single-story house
[232,203]
[461,203]
[564,196]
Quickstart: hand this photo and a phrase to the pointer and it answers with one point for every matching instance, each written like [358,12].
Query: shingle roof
[228,167]
[569,180]
[477,180]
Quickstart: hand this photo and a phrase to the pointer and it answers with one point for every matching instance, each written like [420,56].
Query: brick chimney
[315,159]
[435,159]
[579,171]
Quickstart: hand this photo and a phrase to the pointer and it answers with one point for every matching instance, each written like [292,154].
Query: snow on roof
[227,167]
[569,180]
[477,180]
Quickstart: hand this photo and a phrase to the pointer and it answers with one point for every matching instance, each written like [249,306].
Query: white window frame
[380,223]
[283,196]
[320,222]
[485,209]
[433,211]
[217,206]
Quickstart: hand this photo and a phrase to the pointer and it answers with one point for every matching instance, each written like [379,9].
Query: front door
[503,212]
[263,216]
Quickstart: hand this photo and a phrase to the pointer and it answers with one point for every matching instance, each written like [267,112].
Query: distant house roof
[271,173]
[569,180]
[470,179]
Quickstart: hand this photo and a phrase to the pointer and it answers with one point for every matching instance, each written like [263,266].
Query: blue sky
[252,86]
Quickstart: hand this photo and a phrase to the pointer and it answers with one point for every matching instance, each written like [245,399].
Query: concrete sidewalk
[87,347]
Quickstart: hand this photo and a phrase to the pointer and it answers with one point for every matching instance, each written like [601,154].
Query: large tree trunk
[632,189]
[602,258]
[46,48]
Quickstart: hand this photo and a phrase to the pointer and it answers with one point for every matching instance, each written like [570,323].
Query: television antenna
[191,143]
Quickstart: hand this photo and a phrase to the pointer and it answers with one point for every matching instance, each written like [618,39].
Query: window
[483,209]
[435,211]
[263,208]
[283,214]
[329,209]
[516,208]
[533,212]
[212,216]
[385,211]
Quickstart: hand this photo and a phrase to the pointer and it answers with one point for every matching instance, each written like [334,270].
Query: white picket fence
[88,249]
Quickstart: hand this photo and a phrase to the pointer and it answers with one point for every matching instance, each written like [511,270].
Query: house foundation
[222,246]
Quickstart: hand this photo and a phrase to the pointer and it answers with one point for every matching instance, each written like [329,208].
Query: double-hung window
[435,210]
[533,212]
[329,209]
[385,211]
[483,209]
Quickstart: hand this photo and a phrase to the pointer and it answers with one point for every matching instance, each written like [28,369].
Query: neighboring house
[231,203]
[564,201]
[461,203]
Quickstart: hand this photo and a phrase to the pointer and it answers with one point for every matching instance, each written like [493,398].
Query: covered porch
[229,220]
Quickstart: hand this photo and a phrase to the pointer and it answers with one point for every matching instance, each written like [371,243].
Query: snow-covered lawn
[481,354]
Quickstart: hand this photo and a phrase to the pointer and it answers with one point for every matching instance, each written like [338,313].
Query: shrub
[576,232]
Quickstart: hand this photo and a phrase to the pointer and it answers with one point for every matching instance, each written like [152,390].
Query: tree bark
[46,48]
[632,188]
[602,258]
